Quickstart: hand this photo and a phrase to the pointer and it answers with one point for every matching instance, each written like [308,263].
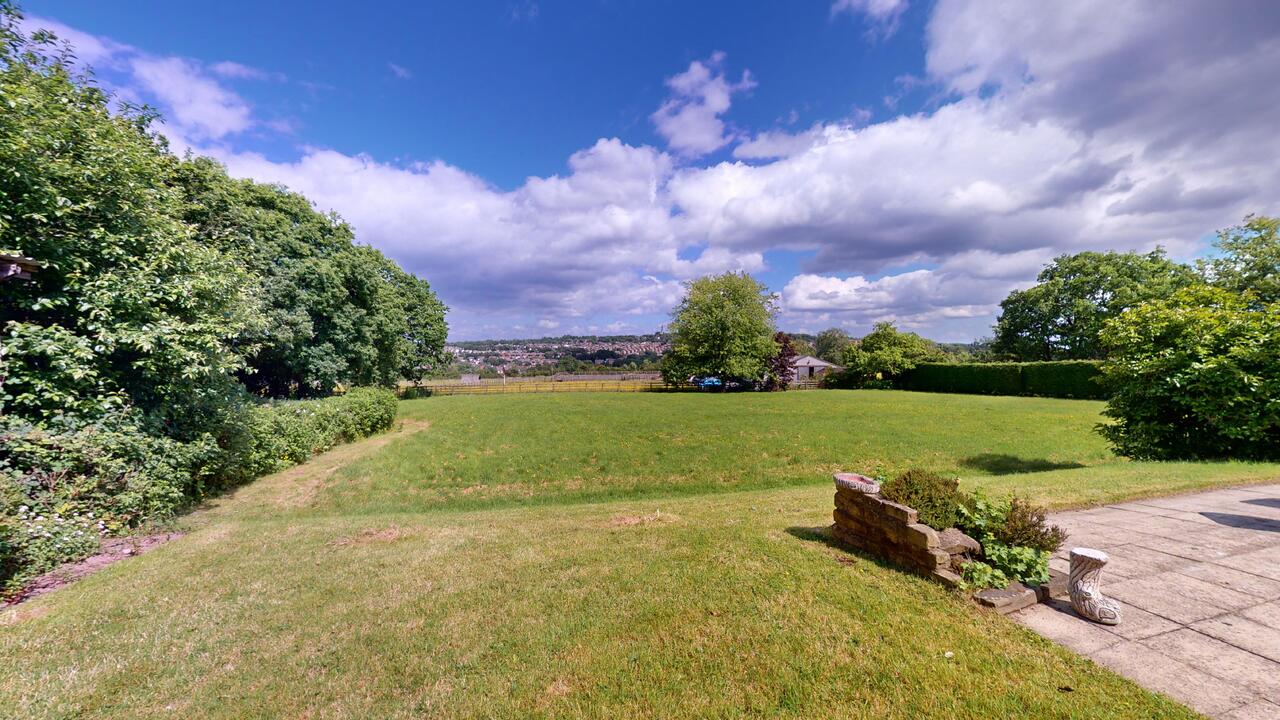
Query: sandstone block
[1007,600]
[956,542]
[920,536]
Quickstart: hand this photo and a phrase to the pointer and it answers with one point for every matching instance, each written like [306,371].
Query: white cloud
[883,15]
[238,71]
[402,73]
[564,246]
[197,103]
[690,119]
[1066,127]
[524,11]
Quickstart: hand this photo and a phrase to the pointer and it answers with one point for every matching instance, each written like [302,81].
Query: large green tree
[830,344]
[885,353]
[129,308]
[1250,259]
[336,313]
[1061,316]
[1195,376]
[724,327]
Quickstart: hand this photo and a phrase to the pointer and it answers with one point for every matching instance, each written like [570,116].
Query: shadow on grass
[816,534]
[821,535]
[999,464]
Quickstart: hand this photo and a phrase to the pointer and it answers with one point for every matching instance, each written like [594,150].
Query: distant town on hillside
[593,354]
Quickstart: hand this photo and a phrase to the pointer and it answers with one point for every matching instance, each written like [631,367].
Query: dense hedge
[286,433]
[64,487]
[1064,379]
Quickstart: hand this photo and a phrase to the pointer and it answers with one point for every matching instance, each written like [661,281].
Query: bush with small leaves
[936,498]
[1026,525]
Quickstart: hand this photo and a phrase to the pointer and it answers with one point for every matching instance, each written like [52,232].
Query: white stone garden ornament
[1083,585]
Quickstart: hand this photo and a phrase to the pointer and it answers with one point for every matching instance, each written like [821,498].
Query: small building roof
[811,361]
[17,266]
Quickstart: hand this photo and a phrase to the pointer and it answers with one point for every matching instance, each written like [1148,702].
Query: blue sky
[563,167]
[501,90]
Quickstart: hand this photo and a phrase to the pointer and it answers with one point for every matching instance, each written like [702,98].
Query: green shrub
[980,516]
[1024,564]
[63,486]
[1196,376]
[970,378]
[935,498]
[272,437]
[1026,525]
[1016,541]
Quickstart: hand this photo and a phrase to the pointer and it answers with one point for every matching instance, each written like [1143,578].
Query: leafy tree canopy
[782,366]
[337,313]
[1061,316]
[830,344]
[724,327]
[164,280]
[1250,261]
[886,352]
[129,307]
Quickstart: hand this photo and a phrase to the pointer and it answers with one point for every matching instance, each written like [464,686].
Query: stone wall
[865,520]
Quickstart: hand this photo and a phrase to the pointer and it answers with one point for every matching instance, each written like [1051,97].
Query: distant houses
[812,369]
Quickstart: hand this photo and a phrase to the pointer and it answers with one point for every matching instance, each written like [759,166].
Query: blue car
[708,383]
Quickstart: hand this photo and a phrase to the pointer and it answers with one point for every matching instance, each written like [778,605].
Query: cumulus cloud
[966,287]
[196,105]
[594,241]
[689,120]
[401,72]
[1075,126]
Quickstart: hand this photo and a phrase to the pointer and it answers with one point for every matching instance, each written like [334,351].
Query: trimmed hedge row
[64,487]
[1062,379]
[290,432]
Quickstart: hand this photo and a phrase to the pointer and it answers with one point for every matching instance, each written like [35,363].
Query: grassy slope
[495,451]
[326,591]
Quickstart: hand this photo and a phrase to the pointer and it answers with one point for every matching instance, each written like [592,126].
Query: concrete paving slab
[1198,690]
[1179,598]
[1245,634]
[1264,562]
[1198,582]
[1232,579]
[1137,624]
[1221,660]
[1131,561]
[1055,621]
[1260,710]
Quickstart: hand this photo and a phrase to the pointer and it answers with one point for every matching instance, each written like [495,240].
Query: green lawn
[585,556]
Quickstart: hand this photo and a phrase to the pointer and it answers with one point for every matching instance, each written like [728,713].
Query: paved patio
[1198,578]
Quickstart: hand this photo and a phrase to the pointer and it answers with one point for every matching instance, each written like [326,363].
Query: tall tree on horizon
[724,327]
[1061,317]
